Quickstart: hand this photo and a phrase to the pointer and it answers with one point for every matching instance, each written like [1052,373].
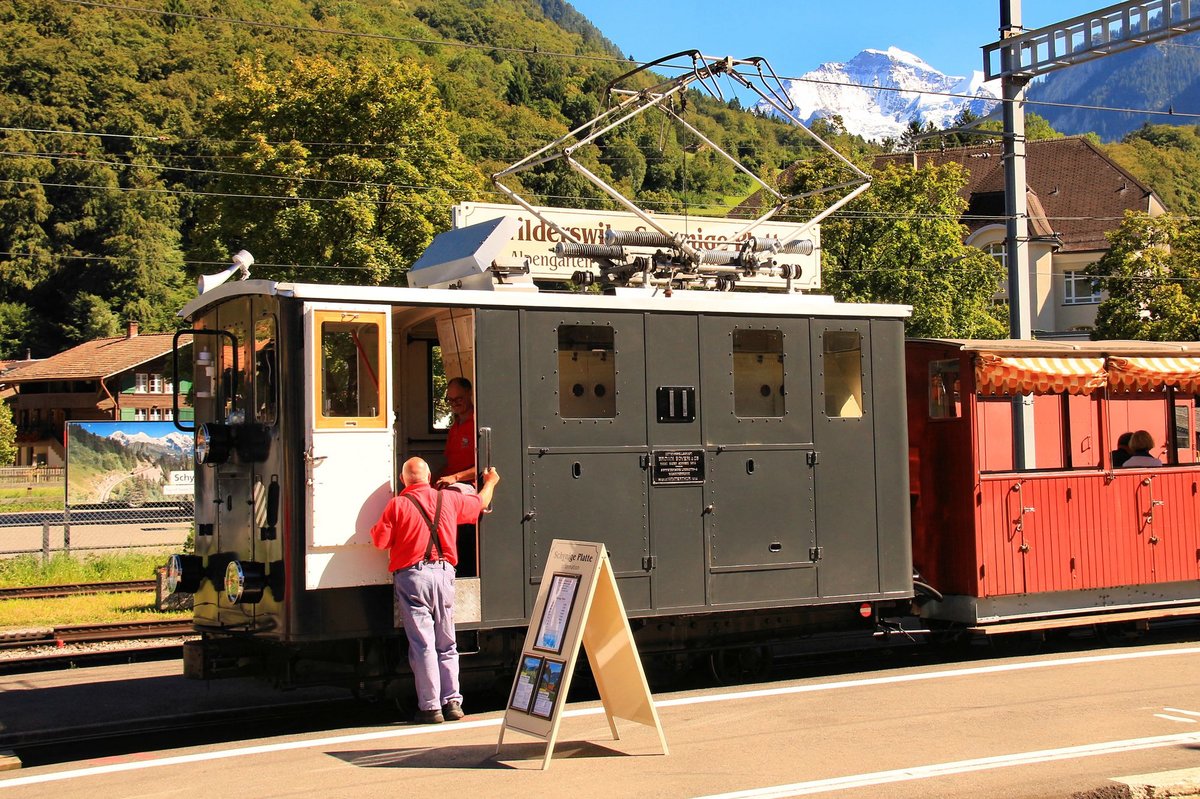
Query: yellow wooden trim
[323,422]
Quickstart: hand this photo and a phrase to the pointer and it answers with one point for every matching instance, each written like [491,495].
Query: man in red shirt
[460,438]
[420,528]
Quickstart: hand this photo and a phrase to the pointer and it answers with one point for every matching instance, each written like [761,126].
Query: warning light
[864,610]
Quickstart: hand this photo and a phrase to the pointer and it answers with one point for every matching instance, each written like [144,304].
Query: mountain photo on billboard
[127,463]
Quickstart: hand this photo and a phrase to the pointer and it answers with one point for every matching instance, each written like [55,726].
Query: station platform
[1064,725]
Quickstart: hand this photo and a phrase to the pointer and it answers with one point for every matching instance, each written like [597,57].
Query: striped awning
[1149,374]
[1008,375]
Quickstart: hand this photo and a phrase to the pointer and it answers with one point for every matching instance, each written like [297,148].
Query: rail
[75,589]
[94,633]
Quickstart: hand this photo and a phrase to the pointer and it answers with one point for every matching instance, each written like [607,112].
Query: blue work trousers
[425,596]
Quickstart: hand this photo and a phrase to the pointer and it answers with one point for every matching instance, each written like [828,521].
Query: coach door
[348,442]
[758,507]
[584,409]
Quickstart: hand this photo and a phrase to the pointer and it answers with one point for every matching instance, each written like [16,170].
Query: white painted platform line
[1180,719]
[957,767]
[141,762]
[1182,712]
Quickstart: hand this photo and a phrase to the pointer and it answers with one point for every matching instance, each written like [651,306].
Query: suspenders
[432,524]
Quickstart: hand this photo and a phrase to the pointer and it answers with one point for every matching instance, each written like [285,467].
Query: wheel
[740,664]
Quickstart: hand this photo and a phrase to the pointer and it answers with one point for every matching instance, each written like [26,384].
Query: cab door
[348,446]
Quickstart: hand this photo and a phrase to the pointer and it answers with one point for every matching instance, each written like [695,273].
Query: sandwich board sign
[577,603]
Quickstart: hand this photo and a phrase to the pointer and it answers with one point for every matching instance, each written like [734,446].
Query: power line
[192,170]
[257,264]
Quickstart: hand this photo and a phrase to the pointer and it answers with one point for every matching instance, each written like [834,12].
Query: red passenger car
[1058,535]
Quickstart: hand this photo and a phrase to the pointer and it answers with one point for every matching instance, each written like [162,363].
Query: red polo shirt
[402,530]
[460,447]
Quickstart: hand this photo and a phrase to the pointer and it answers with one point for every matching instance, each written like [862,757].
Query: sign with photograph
[577,603]
[127,463]
[535,239]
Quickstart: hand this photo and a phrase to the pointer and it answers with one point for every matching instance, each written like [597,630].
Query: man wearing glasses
[460,439]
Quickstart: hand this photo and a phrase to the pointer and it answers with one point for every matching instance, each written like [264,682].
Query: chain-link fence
[102,527]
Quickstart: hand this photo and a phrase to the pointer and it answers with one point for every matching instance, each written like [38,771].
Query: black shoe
[453,711]
[428,717]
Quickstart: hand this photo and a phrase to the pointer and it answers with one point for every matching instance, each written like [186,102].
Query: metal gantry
[1089,36]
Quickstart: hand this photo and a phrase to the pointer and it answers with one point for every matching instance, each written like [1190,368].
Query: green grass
[28,499]
[93,609]
[28,570]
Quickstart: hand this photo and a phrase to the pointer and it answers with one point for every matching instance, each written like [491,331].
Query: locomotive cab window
[587,372]
[350,369]
[758,373]
[265,370]
[842,370]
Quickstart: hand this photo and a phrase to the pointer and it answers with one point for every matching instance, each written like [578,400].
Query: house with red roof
[126,378]
[1076,194]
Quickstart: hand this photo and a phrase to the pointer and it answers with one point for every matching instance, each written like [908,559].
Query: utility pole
[1012,86]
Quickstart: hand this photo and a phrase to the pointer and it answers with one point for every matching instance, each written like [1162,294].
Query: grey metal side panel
[585,476]
[502,537]
[676,524]
[845,476]
[894,521]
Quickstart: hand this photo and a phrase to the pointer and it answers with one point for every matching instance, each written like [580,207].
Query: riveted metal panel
[722,424]
[587,495]
[762,510]
[620,423]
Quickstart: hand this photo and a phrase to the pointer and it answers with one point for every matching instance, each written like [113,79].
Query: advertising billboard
[128,463]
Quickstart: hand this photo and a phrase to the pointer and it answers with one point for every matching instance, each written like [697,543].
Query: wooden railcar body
[1069,536]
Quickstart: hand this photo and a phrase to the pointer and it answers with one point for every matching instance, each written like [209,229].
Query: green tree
[1151,274]
[902,242]
[8,436]
[366,200]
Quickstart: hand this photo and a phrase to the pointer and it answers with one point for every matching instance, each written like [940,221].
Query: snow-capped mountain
[173,441]
[849,91]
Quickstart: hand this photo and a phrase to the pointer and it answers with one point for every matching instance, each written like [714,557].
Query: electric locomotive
[742,456]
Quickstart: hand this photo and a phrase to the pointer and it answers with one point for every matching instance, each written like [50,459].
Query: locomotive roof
[1068,348]
[746,303]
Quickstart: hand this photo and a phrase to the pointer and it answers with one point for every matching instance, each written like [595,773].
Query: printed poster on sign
[559,602]
[548,683]
[526,681]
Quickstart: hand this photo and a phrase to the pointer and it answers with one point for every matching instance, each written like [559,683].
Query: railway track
[76,589]
[93,633]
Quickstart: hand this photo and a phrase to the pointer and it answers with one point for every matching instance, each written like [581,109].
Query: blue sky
[798,35]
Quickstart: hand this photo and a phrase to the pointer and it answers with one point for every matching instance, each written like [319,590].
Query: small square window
[1080,289]
[587,372]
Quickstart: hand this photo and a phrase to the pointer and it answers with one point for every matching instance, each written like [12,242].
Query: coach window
[758,389]
[587,372]
[349,372]
[945,401]
[265,370]
[842,370]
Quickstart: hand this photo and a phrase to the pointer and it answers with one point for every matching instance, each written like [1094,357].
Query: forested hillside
[144,145]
